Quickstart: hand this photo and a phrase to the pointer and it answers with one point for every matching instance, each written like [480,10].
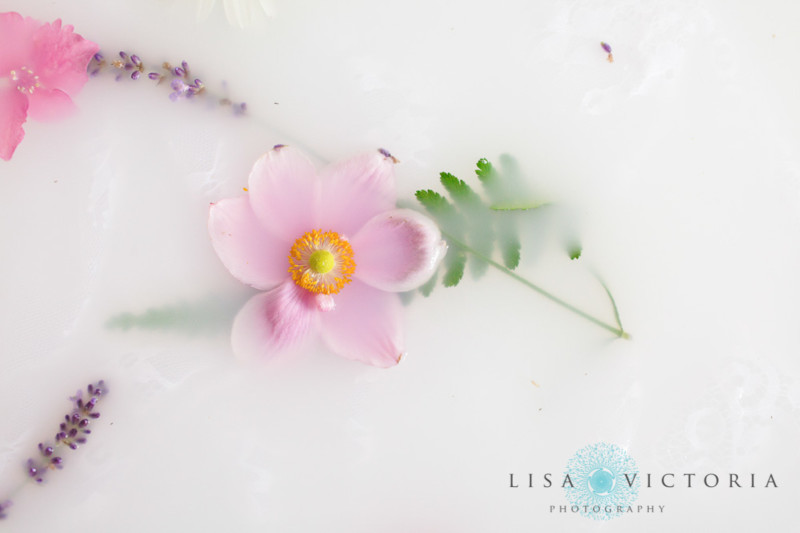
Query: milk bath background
[678,160]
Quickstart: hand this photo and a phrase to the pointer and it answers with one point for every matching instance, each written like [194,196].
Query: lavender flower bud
[3,506]
[47,451]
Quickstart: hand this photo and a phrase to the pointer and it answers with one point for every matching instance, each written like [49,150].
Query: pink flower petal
[16,41]
[284,192]
[273,321]
[49,104]
[13,111]
[365,325]
[325,302]
[398,250]
[355,191]
[60,57]
[250,252]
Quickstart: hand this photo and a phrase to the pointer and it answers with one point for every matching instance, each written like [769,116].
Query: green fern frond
[484,225]
[454,261]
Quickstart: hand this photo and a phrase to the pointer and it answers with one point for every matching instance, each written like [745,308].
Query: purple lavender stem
[186,88]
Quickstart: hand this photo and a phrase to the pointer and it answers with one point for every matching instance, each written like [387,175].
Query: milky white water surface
[677,166]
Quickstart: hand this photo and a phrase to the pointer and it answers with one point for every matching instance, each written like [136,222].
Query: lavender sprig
[177,78]
[607,48]
[72,432]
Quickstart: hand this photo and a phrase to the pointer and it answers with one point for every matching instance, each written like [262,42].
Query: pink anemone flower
[40,66]
[329,249]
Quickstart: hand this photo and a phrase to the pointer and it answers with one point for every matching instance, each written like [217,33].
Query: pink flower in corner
[40,66]
[329,249]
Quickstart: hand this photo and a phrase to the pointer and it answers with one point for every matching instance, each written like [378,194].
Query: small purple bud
[61,436]
[3,506]
[57,461]
[178,86]
[135,75]
[91,403]
[98,57]
[606,47]
[154,76]
[81,440]
[97,415]
[136,60]
[72,432]
[178,71]
[94,72]
[278,146]
[123,55]
[32,471]
[384,152]
[75,418]
[185,65]
[73,446]
[83,423]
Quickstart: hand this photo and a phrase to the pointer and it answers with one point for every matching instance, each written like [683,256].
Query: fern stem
[619,332]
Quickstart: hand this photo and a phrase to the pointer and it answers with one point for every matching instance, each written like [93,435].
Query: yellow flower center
[25,80]
[321,262]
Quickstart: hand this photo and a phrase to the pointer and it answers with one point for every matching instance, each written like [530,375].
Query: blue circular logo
[601,481]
